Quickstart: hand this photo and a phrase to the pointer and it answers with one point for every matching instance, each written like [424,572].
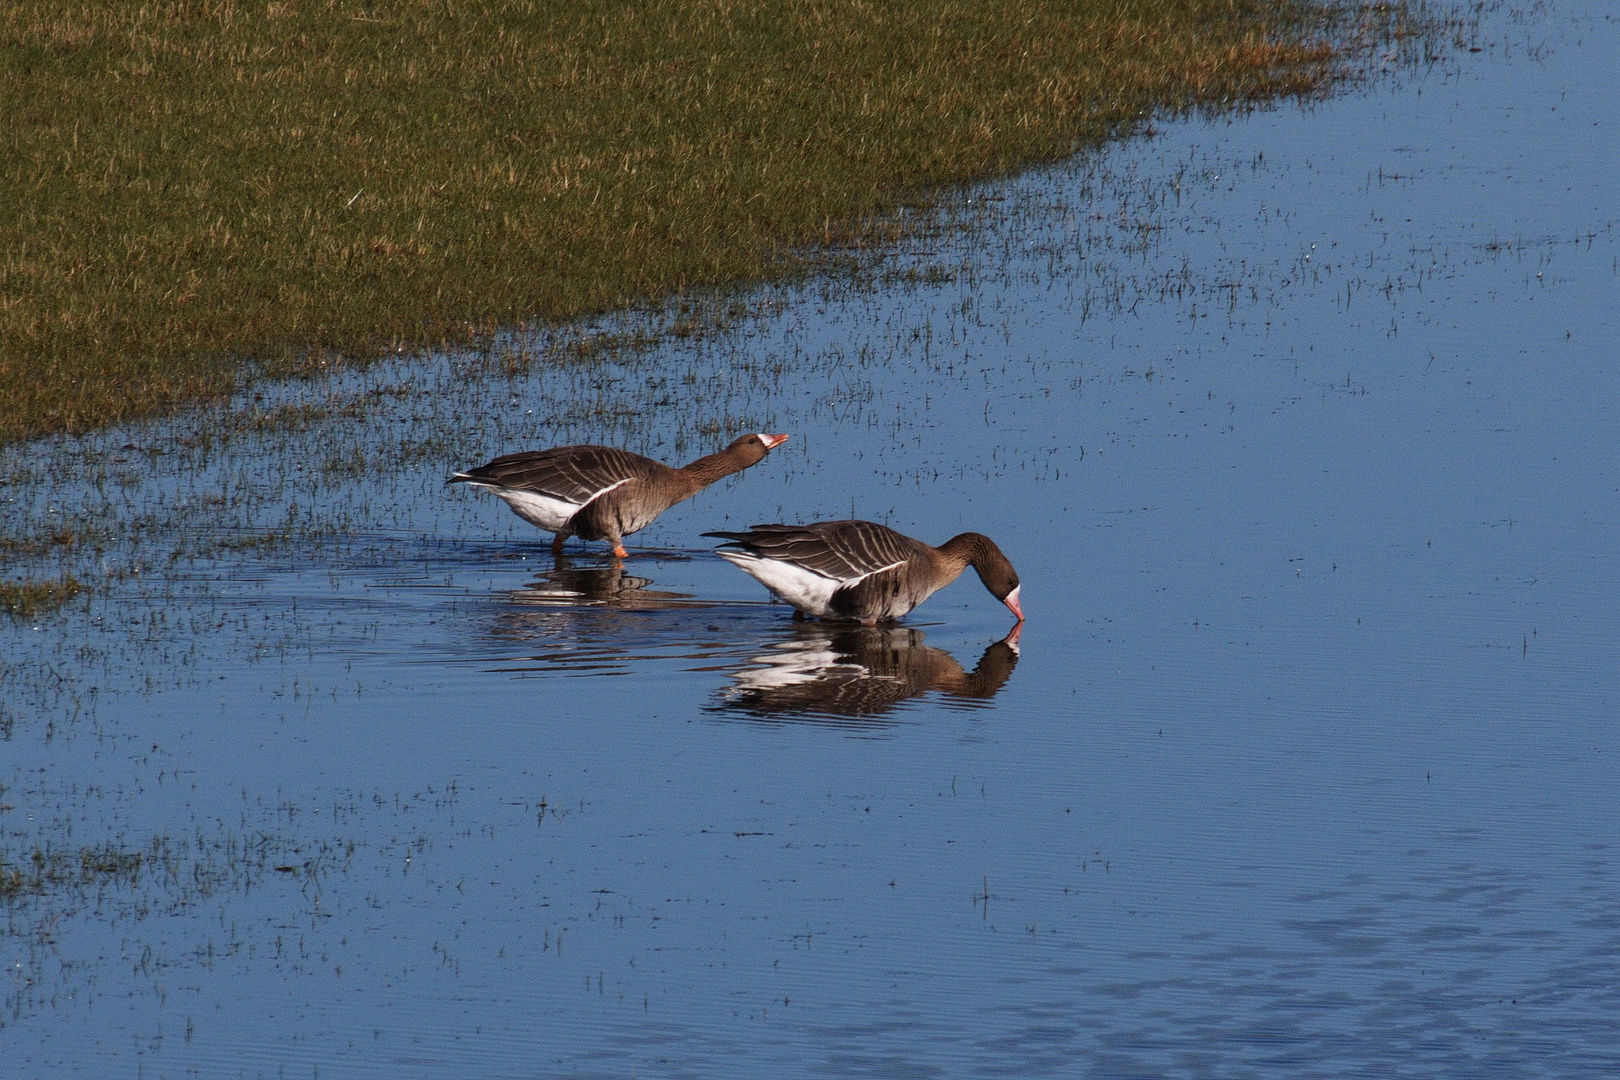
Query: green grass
[186,186]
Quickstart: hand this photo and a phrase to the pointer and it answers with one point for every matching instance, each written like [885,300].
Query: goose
[863,570]
[602,492]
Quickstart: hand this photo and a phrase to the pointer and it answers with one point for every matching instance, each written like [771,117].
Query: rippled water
[1300,430]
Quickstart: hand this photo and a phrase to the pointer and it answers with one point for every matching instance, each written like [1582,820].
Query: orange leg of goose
[556,546]
[619,552]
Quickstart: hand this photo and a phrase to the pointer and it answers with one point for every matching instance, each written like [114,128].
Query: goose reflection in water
[599,584]
[855,676]
[601,619]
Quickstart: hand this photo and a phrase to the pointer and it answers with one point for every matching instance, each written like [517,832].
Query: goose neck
[965,550]
[711,467]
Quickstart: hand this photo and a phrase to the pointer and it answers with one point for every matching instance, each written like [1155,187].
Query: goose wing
[572,474]
[842,551]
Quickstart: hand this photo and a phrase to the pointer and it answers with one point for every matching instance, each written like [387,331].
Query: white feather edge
[804,589]
[543,511]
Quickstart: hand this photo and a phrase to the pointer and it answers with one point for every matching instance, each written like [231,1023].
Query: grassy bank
[186,185]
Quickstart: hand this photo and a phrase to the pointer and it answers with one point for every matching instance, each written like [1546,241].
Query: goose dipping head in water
[863,570]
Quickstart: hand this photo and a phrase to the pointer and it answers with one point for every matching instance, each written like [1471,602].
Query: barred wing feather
[572,474]
[842,551]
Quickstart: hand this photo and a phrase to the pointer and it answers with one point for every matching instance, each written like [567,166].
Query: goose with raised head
[602,492]
[863,570]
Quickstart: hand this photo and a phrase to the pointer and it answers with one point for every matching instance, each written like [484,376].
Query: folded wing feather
[569,474]
[843,551]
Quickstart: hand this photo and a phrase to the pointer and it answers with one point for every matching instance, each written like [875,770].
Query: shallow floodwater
[1300,429]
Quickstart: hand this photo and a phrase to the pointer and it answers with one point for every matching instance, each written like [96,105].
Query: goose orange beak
[772,441]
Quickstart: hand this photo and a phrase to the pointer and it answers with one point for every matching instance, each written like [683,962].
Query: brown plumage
[601,492]
[863,570]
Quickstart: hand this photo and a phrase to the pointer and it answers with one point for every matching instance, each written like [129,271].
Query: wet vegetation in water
[184,186]
[22,599]
[149,900]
